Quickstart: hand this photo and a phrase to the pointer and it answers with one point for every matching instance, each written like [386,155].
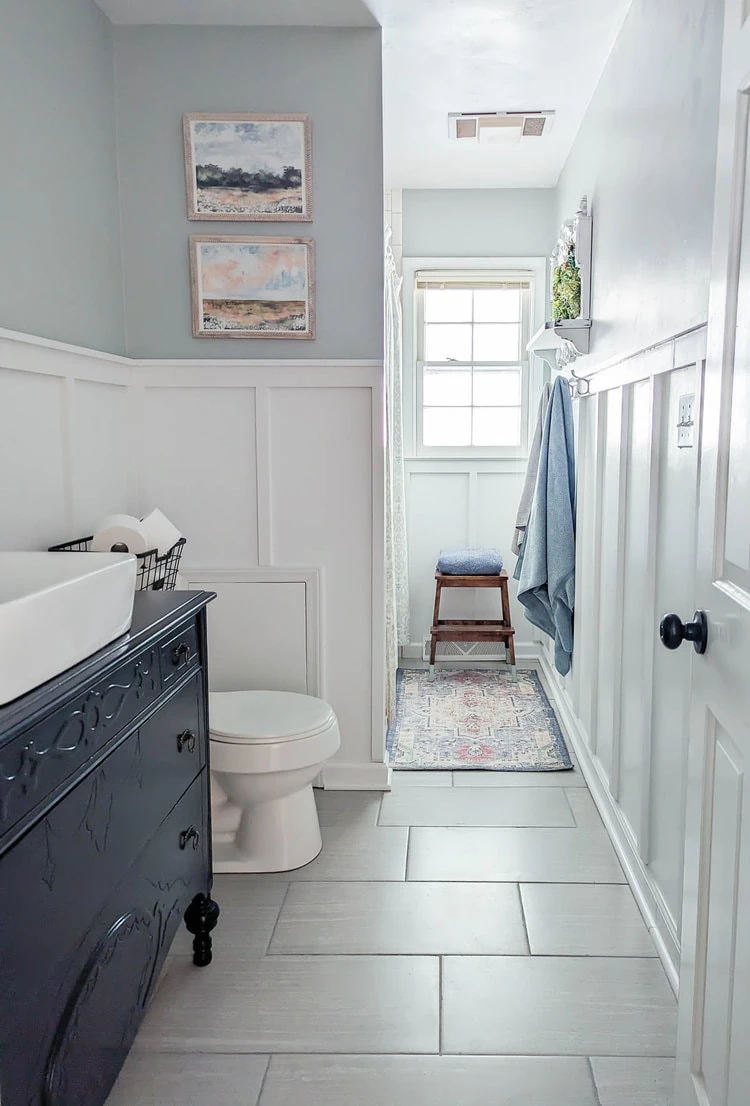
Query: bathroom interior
[275,829]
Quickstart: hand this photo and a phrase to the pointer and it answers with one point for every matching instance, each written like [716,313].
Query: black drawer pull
[186,740]
[181,654]
[190,834]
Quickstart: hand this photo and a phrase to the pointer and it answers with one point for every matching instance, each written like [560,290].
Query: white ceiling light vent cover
[499,128]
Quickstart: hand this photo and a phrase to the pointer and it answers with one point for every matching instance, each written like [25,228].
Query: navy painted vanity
[105,846]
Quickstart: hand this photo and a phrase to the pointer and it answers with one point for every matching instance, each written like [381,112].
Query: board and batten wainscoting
[625,703]
[274,472]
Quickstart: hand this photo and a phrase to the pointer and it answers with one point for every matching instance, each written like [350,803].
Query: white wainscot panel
[586,640]
[197,464]
[320,491]
[438,517]
[498,495]
[257,635]
[609,627]
[100,453]
[634,726]
[671,673]
[33,461]
[725,880]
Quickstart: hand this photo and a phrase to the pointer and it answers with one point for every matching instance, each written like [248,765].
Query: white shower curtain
[396,563]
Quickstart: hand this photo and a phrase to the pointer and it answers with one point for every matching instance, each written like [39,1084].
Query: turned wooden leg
[510,647]
[200,918]
[435,620]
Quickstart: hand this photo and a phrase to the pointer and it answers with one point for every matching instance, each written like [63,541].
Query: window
[472,330]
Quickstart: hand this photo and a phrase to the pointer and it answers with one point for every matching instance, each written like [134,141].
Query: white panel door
[713,1052]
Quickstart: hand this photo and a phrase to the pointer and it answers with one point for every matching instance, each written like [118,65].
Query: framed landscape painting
[248,167]
[247,287]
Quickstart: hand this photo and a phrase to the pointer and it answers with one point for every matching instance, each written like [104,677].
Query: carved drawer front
[110,996]
[39,760]
[173,742]
[179,653]
[66,1035]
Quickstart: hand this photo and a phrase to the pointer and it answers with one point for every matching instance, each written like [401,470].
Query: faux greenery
[566,290]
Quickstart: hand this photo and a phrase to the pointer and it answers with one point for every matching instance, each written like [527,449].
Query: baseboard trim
[357,777]
[646,893]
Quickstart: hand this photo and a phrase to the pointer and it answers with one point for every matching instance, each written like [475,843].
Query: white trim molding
[536,268]
[340,776]
[310,577]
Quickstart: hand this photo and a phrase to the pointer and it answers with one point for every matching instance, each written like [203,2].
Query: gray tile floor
[467,939]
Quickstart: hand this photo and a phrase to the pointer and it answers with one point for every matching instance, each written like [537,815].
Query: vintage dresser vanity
[105,847]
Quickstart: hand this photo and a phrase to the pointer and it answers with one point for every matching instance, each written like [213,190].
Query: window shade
[469,280]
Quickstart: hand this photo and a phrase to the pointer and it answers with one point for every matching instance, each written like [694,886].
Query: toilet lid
[258,716]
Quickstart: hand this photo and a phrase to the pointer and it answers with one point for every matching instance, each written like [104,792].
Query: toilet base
[273,836]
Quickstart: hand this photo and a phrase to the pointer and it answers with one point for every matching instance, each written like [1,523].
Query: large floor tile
[468,778]
[516,855]
[353,852]
[416,918]
[179,1080]
[644,1081]
[355,1004]
[489,806]
[585,810]
[573,919]
[427,1081]
[421,779]
[249,910]
[562,1006]
[348,808]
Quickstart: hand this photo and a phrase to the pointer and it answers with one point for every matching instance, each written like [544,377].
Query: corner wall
[645,155]
[60,276]
[332,74]
[465,501]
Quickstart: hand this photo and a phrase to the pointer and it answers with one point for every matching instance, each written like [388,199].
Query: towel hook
[579,385]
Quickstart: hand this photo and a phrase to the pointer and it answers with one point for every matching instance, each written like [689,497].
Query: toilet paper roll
[161,533]
[121,530]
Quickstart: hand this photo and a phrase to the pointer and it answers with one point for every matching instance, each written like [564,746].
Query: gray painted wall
[646,154]
[60,275]
[335,76]
[479,222]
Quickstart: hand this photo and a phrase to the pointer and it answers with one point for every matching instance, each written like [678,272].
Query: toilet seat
[266,717]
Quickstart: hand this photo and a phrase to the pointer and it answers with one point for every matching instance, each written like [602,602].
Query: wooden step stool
[473,629]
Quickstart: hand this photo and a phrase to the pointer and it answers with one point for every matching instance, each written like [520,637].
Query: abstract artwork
[248,167]
[247,287]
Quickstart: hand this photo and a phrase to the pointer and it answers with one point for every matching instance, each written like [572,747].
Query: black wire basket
[154,573]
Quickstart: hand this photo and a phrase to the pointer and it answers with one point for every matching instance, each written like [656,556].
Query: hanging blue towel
[546,565]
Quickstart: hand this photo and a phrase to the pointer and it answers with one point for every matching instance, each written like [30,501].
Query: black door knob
[673,631]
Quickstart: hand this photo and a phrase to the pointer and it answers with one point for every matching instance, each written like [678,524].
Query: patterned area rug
[473,719]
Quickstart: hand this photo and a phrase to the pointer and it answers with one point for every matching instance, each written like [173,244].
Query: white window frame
[533,269]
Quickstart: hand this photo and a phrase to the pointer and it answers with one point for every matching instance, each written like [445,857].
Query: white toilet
[266,749]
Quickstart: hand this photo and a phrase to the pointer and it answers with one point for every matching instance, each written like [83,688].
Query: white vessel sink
[56,609]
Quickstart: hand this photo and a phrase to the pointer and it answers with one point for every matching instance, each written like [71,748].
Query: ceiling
[243,13]
[442,56]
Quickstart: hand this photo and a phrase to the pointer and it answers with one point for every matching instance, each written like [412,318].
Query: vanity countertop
[152,611]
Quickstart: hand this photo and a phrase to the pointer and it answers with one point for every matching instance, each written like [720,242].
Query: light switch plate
[686,421]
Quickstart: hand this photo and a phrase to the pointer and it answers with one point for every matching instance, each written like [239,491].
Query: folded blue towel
[470,562]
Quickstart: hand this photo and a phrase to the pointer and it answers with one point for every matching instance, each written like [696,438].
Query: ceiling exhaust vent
[499,128]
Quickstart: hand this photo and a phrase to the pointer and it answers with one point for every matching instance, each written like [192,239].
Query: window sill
[467,461]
